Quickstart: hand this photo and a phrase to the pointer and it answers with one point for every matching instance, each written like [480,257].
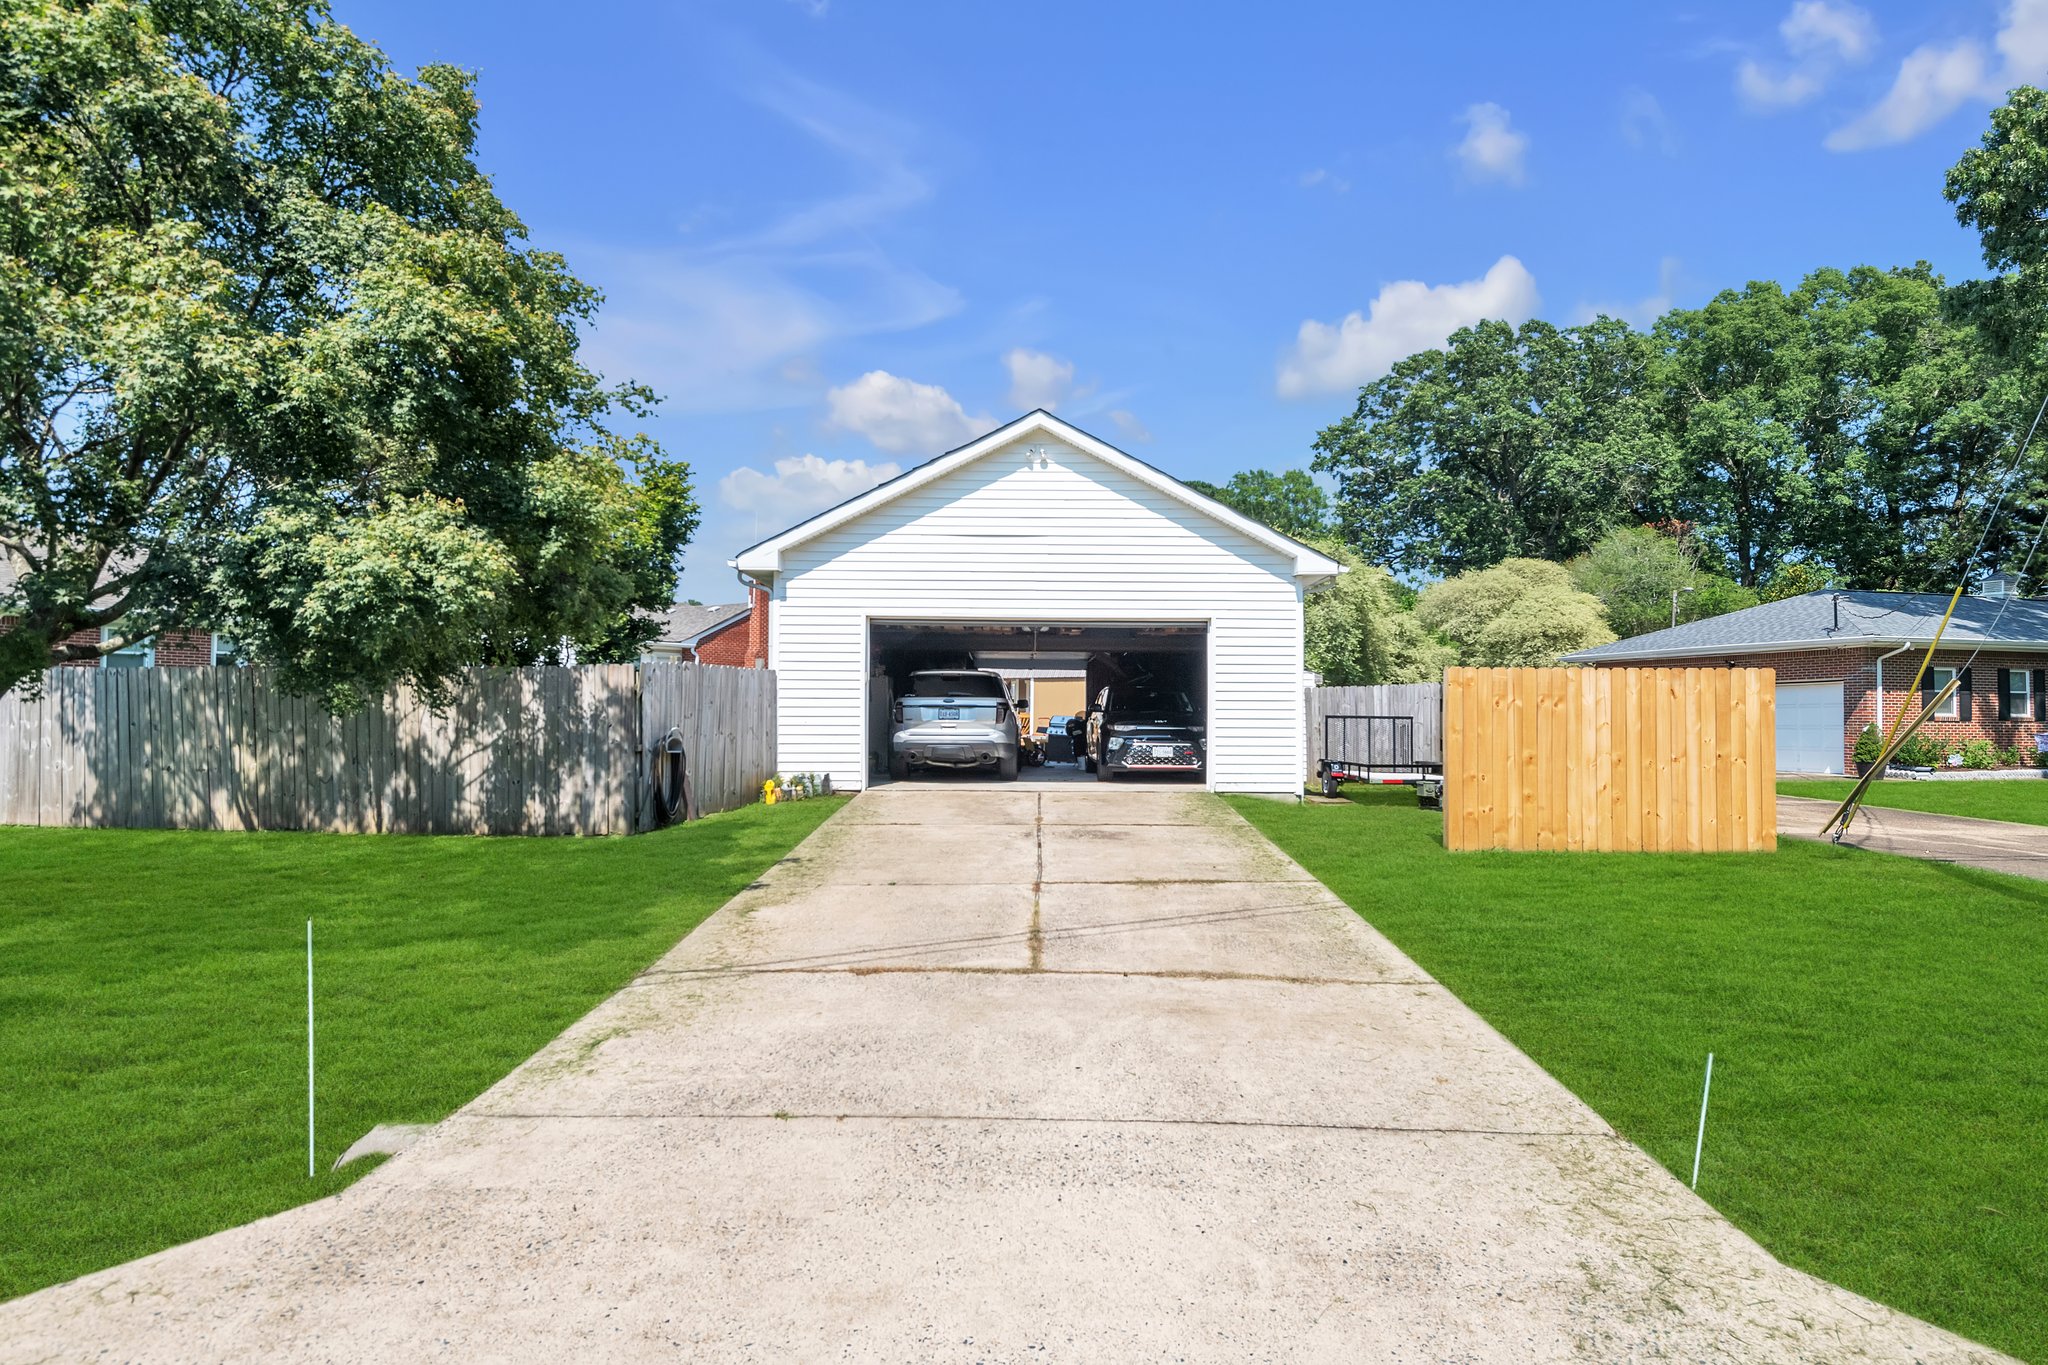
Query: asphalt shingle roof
[685,621]
[1848,618]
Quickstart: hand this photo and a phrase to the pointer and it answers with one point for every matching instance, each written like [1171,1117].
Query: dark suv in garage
[1144,727]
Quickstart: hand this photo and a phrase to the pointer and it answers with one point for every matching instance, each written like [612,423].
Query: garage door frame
[870,620]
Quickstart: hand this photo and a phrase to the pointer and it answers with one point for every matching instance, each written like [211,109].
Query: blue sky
[839,236]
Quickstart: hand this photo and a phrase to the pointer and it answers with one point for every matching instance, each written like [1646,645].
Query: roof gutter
[1880,686]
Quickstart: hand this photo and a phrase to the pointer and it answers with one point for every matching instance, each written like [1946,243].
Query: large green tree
[1291,502]
[275,360]
[1645,575]
[1755,416]
[1506,442]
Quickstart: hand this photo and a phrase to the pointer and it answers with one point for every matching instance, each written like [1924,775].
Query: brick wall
[184,649]
[744,643]
[1856,670]
[174,649]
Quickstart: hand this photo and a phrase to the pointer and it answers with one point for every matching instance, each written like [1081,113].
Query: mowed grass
[1880,1030]
[2022,800]
[153,1003]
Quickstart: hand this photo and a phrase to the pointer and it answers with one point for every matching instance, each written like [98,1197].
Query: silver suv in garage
[954,718]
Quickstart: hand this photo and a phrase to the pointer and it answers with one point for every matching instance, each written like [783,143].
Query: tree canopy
[1855,427]
[276,361]
[1505,443]
[1638,572]
[1518,613]
[1291,502]
[1358,629]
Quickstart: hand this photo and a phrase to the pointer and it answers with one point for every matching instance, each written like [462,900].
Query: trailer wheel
[1331,783]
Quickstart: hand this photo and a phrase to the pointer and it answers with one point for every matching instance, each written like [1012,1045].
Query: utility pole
[1674,603]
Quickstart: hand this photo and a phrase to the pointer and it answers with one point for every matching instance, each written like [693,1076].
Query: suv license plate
[949,713]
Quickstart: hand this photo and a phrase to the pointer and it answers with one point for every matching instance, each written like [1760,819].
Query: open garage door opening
[1096,701]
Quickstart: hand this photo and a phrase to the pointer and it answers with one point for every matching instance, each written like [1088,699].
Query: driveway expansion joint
[1103,1120]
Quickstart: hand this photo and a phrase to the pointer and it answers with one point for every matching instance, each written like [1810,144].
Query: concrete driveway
[1994,845]
[979,1074]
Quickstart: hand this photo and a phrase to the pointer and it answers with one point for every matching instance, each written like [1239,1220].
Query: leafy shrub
[1920,752]
[1869,744]
[1978,753]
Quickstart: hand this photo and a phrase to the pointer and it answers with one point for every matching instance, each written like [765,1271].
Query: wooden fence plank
[529,751]
[1667,760]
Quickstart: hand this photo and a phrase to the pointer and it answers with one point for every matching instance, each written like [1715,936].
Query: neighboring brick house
[1846,659]
[172,649]
[735,635]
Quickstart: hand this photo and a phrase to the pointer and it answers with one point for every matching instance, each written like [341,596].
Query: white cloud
[1763,88]
[903,415]
[1933,82]
[2023,41]
[1405,317]
[727,325]
[1936,79]
[1038,380]
[1815,27]
[1492,149]
[1820,37]
[1129,427]
[1644,125]
[1335,183]
[801,485]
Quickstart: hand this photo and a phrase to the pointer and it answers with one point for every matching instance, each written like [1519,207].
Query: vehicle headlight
[1118,741]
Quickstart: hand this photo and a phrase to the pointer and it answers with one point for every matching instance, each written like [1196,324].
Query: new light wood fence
[1422,702]
[538,751]
[1633,759]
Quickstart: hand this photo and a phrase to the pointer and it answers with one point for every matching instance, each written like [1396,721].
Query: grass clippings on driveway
[1880,1028]
[152,1005]
[2018,799]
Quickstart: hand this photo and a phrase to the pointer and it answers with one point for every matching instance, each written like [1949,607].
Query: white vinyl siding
[1068,540]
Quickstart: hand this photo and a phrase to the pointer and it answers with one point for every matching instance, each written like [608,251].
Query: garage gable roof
[766,557]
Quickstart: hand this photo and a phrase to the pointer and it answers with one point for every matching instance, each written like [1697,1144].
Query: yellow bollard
[768,792]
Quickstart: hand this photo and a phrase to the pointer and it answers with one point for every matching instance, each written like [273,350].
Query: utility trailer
[1379,750]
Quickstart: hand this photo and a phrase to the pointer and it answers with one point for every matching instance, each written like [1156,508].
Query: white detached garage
[1038,540]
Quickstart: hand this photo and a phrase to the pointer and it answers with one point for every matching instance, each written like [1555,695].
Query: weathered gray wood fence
[1422,701]
[518,751]
[726,717]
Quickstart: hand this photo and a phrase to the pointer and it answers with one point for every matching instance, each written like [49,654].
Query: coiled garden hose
[673,796]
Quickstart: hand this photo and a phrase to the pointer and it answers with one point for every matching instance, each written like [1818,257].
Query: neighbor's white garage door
[1810,727]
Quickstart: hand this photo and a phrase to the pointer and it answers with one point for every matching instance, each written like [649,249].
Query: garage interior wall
[1038,530]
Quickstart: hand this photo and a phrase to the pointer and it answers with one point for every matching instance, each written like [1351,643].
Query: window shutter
[2005,694]
[2041,694]
[1963,696]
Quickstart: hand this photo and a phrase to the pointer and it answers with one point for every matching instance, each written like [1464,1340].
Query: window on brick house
[1938,678]
[140,655]
[2019,697]
[224,651]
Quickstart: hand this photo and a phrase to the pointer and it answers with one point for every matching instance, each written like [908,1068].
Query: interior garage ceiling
[1026,640]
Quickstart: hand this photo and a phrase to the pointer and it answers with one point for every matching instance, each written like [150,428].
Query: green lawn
[2024,800]
[153,998]
[1880,1030]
